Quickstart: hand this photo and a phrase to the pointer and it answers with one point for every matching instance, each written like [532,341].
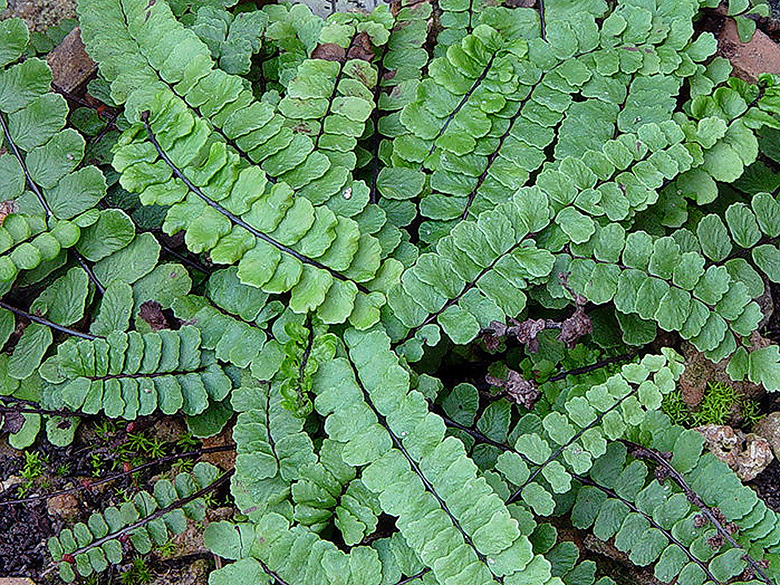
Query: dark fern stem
[220,481]
[667,533]
[46,322]
[416,469]
[712,515]
[233,218]
[42,200]
[637,450]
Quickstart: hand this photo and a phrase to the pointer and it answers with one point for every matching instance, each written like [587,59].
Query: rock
[65,506]
[8,483]
[700,372]
[769,428]
[748,455]
[767,305]
[325,8]
[694,379]
[71,67]
[41,14]
[759,55]
[16,581]
[622,564]
[217,514]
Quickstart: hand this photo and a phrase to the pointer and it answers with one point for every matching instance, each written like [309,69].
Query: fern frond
[232,318]
[129,375]
[659,282]
[650,524]
[147,520]
[580,434]
[41,156]
[616,497]
[536,108]
[232,39]
[460,17]
[718,491]
[322,258]
[398,436]
[291,36]
[400,65]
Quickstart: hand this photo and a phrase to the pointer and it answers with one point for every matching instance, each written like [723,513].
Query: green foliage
[128,374]
[349,210]
[32,470]
[146,520]
[139,572]
[719,405]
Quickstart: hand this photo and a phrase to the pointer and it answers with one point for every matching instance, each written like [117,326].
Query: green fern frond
[145,521]
[129,375]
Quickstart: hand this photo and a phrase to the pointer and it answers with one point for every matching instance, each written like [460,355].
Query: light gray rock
[748,455]
[769,428]
[325,8]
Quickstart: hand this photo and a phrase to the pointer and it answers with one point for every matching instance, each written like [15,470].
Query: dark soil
[768,485]
[24,529]
[772,329]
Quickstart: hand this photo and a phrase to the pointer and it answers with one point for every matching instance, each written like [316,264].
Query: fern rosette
[423,254]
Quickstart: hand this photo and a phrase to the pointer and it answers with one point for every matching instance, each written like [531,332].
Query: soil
[41,14]
[23,529]
[768,485]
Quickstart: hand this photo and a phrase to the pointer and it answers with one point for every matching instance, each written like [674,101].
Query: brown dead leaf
[518,389]
[361,48]
[574,327]
[151,312]
[329,52]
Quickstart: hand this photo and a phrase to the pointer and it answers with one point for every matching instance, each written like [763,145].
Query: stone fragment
[71,67]
[759,55]
[64,506]
[748,455]
[769,428]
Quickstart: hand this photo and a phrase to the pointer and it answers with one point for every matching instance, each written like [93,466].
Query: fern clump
[430,263]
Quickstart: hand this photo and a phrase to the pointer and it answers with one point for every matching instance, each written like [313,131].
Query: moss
[721,404]
[717,406]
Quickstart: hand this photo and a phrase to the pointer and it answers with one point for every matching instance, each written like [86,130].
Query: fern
[360,218]
[41,156]
[128,374]
[147,520]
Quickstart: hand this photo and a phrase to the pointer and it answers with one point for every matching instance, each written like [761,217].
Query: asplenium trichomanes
[369,192]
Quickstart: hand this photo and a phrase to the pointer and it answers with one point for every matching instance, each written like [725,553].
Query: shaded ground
[768,485]
[23,528]
[26,527]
